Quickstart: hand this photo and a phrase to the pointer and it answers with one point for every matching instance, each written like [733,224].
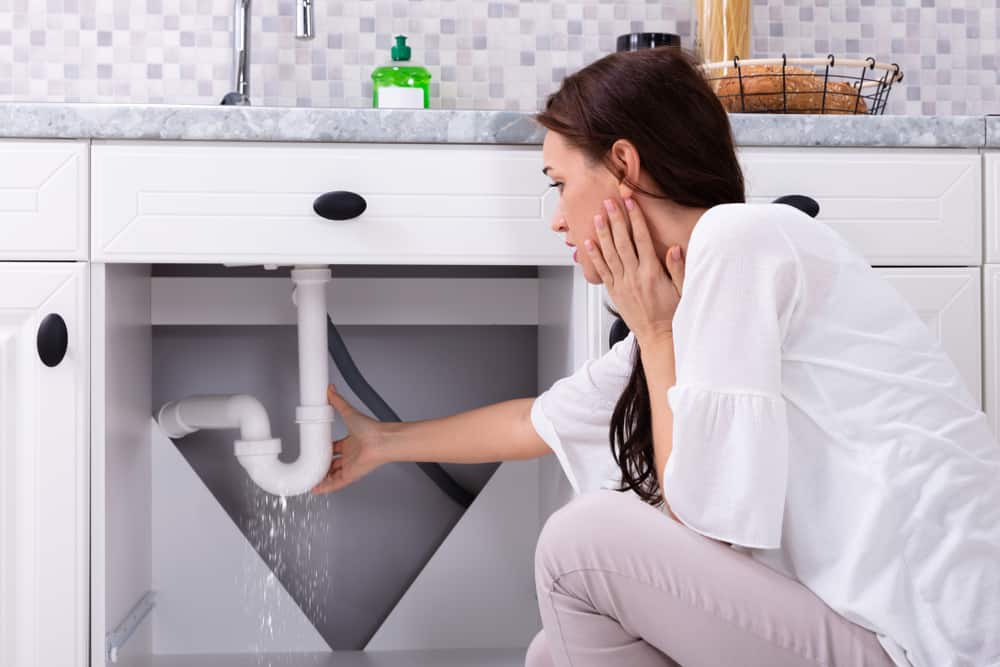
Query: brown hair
[659,100]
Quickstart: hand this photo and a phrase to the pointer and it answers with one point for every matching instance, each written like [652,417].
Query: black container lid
[647,40]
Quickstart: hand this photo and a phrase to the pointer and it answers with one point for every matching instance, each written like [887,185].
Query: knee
[538,652]
[579,522]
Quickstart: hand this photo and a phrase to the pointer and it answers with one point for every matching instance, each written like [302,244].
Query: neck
[669,224]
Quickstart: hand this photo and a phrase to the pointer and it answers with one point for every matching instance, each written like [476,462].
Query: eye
[557,185]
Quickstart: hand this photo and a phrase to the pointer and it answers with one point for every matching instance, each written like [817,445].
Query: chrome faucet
[241,46]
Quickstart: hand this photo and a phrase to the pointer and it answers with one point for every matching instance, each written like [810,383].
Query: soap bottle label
[399,97]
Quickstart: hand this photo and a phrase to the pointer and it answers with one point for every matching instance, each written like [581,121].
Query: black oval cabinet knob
[53,339]
[339,205]
[807,205]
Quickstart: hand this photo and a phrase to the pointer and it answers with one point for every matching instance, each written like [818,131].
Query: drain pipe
[256,450]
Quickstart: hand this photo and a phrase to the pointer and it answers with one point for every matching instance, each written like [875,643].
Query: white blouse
[820,428]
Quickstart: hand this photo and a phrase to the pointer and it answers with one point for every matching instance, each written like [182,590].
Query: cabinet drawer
[253,203]
[991,191]
[896,206]
[43,199]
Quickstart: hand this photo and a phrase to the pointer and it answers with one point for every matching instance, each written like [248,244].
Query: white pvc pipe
[242,411]
[256,450]
[310,300]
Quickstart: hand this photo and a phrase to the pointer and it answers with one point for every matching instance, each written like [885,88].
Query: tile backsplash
[482,54]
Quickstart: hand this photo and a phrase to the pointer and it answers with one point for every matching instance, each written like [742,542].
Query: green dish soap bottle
[401,86]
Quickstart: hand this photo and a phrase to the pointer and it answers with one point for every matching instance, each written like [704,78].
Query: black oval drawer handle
[53,339]
[339,205]
[807,205]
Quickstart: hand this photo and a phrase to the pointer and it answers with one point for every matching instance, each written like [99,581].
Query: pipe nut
[169,419]
[257,447]
[311,414]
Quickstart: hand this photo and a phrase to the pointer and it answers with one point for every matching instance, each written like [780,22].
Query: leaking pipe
[256,449]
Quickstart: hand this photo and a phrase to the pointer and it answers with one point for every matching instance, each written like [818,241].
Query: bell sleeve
[573,416]
[726,476]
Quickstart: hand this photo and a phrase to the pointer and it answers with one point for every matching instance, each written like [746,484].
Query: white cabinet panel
[991,193]
[948,301]
[896,206]
[44,422]
[44,199]
[253,203]
[991,344]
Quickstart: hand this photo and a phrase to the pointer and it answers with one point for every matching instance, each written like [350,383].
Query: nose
[558,224]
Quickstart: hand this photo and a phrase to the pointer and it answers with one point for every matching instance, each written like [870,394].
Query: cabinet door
[44,199]
[948,301]
[44,426]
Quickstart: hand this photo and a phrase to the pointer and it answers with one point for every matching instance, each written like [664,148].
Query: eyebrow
[546,170]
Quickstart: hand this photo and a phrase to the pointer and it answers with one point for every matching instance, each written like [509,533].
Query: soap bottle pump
[401,86]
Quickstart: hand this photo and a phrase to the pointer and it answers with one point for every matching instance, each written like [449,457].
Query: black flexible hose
[356,381]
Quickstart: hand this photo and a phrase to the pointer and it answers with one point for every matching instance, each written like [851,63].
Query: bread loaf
[803,91]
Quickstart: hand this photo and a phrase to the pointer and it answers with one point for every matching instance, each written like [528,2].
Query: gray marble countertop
[232,123]
[993,131]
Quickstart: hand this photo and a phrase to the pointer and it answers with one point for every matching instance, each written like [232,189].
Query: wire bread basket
[803,85]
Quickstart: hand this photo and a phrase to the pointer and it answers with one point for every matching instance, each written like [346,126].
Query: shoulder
[742,226]
[728,230]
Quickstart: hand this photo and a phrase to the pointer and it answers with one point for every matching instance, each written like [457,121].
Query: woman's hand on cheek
[644,289]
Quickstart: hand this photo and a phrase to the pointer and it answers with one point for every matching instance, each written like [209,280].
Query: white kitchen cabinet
[44,436]
[44,199]
[897,206]
[159,520]
[167,215]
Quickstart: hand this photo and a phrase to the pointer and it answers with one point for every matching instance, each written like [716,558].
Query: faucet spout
[241,55]
[304,19]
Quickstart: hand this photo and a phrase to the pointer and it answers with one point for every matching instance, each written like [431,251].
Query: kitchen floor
[460,657]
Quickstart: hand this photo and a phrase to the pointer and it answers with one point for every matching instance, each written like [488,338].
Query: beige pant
[621,583]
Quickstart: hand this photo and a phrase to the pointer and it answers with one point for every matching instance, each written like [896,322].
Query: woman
[804,478]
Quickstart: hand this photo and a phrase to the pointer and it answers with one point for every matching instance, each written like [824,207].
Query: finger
[337,401]
[607,245]
[323,487]
[640,233]
[622,236]
[330,482]
[595,256]
[675,263]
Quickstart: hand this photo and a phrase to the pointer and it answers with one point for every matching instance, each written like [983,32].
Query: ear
[625,158]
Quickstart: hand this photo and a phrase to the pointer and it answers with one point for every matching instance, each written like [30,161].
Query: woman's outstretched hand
[359,453]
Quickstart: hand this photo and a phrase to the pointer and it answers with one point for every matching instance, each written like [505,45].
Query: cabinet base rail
[117,638]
